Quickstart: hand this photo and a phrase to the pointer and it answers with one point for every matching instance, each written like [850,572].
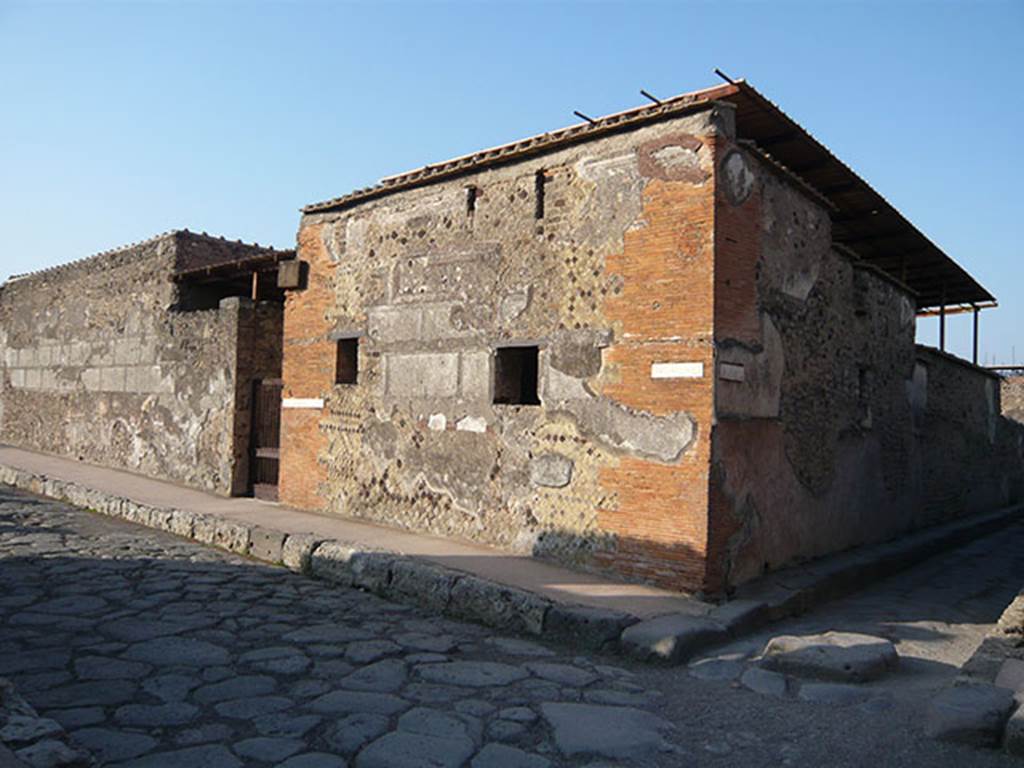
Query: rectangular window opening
[539,179]
[346,370]
[471,194]
[515,376]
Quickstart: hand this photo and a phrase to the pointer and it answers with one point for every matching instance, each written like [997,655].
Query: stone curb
[389,574]
[985,669]
[670,638]
[30,741]
[675,638]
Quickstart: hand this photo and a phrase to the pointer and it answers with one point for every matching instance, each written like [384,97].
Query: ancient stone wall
[1013,397]
[833,429]
[99,366]
[599,254]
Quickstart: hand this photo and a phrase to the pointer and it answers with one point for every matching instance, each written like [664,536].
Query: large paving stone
[344,702]
[835,656]
[970,714]
[383,677]
[327,633]
[615,732]
[504,756]
[30,661]
[352,733]
[434,722]
[401,749]
[175,651]
[156,715]
[249,708]
[314,760]
[235,688]
[94,693]
[285,724]
[563,674]
[110,745]
[73,605]
[268,749]
[672,638]
[473,674]
[206,756]
[101,668]
[21,729]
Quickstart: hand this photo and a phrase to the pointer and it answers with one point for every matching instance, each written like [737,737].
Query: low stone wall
[98,363]
[1013,397]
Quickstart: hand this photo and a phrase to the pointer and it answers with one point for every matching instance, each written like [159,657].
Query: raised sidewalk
[468,581]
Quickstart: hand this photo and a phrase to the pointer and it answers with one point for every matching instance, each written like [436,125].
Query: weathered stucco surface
[99,365]
[833,428]
[610,470]
[1013,397]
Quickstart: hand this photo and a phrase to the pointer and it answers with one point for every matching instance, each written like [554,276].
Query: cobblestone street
[154,651]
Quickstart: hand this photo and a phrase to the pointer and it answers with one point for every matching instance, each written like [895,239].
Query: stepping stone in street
[845,657]
[970,714]
[614,732]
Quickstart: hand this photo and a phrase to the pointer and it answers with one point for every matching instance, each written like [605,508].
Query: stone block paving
[151,650]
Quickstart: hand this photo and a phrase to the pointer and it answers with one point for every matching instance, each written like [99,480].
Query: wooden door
[266,438]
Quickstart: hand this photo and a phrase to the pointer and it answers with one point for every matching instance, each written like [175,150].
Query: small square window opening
[515,376]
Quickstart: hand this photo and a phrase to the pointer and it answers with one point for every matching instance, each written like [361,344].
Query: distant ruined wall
[833,428]
[612,280]
[98,366]
[1013,397]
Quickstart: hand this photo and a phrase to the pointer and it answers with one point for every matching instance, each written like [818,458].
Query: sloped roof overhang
[863,221]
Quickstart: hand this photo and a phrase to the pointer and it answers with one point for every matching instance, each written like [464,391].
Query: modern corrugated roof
[863,220]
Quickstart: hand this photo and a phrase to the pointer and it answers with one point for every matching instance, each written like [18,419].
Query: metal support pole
[974,358]
[942,326]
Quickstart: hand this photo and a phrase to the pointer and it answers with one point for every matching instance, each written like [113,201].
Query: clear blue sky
[119,121]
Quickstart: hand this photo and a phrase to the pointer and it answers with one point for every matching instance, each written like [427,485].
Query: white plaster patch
[437,422]
[677,370]
[732,372]
[302,402]
[674,157]
[739,179]
[471,424]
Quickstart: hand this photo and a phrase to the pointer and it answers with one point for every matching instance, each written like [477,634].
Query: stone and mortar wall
[832,429]
[611,470]
[1013,397]
[98,366]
